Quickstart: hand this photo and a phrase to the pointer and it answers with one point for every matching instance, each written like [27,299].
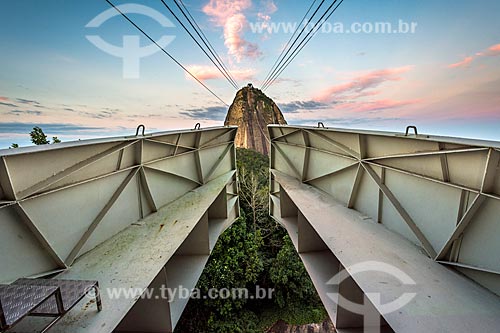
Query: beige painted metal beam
[339,145]
[439,193]
[133,258]
[65,173]
[402,212]
[444,301]
[26,219]
[464,222]
[355,187]
[287,159]
[76,250]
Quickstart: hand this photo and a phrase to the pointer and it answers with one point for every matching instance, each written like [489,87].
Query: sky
[442,76]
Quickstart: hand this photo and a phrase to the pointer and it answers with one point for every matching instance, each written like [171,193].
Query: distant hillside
[252,111]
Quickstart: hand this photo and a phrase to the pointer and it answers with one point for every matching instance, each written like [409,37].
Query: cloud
[491,51]
[207,113]
[346,122]
[229,14]
[479,102]
[357,87]
[464,63]
[296,106]
[111,109]
[25,113]
[3,98]
[98,115]
[212,73]
[24,128]
[354,96]
[267,7]
[143,116]
[372,106]
[8,104]
[30,102]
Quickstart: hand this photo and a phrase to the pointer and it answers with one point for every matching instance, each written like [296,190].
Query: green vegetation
[38,138]
[255,251]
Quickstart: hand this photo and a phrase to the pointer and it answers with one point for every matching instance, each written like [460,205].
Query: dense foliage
[255,251]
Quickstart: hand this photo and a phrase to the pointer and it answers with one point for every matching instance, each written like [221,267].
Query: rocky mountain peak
[252,111]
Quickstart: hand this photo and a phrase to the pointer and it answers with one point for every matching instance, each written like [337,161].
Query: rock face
[252,111]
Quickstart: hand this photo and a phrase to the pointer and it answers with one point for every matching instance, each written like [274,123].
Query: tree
[290,278]
[38,137]
[254,191]
[235,262]
[254,251]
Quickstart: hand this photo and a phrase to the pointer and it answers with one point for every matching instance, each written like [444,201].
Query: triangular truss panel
[364,194]
[189,139]
[428,166]
[18,244]
[162,194]
[384,146]
[347,142]
[325,165]
[420,204]
[63,224]
[154,150]
[278,132]
[214,160]
[105,166]
[61,201]
[289,157]
[433,208]
[214,138]
[295,137]
[184,139]
[339,185]
[467,168]
[52,164]
[183,166]
[478,238]
[321,141]
[123,212]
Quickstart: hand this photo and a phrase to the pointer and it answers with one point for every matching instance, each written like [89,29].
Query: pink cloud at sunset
[3,98]
[211,73]
[492,51]
[357,87]
[464,63]
[268,8]
[264,16]
[229,14]
[378,105]
[495,49]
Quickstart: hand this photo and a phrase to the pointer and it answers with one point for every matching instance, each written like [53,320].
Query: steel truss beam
[99,180]
[416,187]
